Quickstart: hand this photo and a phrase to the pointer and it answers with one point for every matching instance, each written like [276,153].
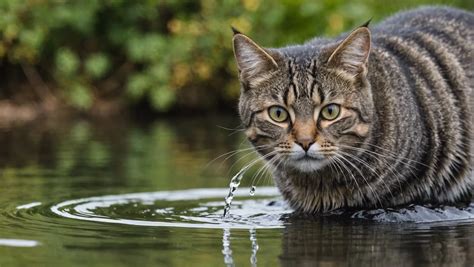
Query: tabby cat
[377,117]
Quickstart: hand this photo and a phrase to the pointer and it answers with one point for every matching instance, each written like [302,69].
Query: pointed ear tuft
[366,24]
[352,54]
[235,31]
[255,63]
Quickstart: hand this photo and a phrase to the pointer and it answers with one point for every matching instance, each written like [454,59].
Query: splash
[233,185]
[252,190]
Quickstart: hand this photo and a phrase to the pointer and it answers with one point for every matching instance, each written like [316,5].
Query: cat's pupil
[330,110]
[278,113]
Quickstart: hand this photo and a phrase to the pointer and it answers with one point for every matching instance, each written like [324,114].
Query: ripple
[194,208]
[203,208]
[19,243]
[29,205]
[418,214]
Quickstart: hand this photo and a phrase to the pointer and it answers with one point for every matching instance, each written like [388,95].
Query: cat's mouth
[313,157]
[308,157]
[308,162]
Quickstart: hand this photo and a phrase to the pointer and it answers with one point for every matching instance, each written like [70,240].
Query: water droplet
[252,190]
[233,185]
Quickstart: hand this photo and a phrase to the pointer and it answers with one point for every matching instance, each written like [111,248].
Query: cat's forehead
[311,78]
[302,82]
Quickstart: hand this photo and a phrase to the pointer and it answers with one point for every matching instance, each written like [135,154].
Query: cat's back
[431,26]
[423,74]
[432,43]
[429,17]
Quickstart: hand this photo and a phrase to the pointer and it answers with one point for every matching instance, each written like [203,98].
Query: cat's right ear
[256,64]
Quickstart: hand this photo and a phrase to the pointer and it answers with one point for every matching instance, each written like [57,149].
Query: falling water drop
[252,190]
[233,185]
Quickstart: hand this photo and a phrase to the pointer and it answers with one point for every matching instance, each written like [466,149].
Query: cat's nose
[305,143]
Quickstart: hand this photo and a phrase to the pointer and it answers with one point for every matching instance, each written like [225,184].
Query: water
[253,188]
[116,193]
[233,186]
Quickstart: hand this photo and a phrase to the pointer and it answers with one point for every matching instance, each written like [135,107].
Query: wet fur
[408,111]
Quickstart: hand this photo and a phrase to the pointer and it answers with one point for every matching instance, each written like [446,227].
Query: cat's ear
[255,63]
[352,54]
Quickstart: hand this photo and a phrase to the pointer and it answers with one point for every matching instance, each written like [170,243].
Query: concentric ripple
[203,208]
[194,208]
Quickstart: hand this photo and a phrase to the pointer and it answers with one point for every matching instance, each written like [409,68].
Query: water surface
[121,193]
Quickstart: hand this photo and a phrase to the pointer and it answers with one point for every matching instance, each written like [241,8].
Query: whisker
[391,153]
[234,130]
[246,155]
[281,161]
[363,177]
[333,160]
[348,171]
[255,175]
[377,174]
[378,156]
[232,153]
[255,161]
[263,170]
[383,159]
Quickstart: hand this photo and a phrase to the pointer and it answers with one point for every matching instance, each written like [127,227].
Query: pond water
[121,193]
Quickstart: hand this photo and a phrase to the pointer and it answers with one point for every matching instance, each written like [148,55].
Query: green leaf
[146,48]
[80,96]
[138,84]
[162,98]
[97,65]
[33,37]
[67,62]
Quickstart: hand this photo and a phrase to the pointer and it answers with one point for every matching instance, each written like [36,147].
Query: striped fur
[404,134]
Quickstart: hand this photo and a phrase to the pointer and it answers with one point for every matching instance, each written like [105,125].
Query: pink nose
[305,143]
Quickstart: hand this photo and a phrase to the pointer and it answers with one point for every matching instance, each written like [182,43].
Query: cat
[377,117]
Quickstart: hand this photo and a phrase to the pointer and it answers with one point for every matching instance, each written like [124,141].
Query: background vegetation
[159,55]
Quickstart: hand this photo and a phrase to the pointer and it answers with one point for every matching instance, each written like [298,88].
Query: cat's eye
[330,112]
[278,114]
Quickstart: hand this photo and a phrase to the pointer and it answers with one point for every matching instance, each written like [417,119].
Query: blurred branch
[38,85]
[115,81]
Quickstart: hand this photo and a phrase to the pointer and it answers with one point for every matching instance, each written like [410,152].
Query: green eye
[330,112]
[278,114]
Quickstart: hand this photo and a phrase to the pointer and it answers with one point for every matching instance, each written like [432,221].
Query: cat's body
[379,118]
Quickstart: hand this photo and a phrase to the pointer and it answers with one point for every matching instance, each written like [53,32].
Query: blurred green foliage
[163,54]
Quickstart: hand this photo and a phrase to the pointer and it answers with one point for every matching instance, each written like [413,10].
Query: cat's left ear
[352,54]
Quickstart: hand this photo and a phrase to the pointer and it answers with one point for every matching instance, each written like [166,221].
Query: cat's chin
[308,164]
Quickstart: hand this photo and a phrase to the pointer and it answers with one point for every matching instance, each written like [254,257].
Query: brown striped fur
[404,133]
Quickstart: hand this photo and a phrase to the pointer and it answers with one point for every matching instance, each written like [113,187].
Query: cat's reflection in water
[332,242]
[227,250]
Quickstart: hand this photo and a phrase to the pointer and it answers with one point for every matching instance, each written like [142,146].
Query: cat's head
[303,104]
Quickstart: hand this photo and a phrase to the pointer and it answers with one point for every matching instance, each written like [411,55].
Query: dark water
[119,193]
